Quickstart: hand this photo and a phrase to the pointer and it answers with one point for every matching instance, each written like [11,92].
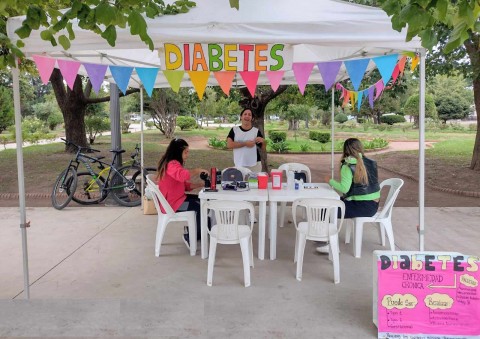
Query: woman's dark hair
[353,147]
[174,152]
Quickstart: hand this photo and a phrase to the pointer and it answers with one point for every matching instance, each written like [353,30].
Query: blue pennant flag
[356,70]
[359,100]
[386,65]
[121,75]
[147,77]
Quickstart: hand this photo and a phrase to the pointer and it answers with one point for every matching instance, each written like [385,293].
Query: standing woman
[174,180]
[245,140]
[358,183]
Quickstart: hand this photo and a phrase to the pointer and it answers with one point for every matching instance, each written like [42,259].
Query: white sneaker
[324,249]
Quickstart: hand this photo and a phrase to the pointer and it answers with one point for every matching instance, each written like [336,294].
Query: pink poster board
[426,295]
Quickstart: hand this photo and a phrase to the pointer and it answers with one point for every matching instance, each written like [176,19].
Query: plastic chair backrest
[395,185]
[320,216]
[295,166]
[227,215]
[160,199]
[227,172]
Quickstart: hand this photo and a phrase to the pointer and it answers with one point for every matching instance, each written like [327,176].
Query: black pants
[192,203]
[354,209]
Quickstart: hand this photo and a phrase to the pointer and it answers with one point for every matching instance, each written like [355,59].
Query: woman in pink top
[174,180]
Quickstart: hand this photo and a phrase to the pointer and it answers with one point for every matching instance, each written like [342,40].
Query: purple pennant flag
[356,70]
[96,73]
[371,91]
[385,65]
[359,101]
[302,73]
[329,71]
[147,77]
[121,75]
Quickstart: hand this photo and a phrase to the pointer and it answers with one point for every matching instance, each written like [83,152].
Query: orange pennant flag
[401,63]
[224,79]
[414,63]
[199,80]
[346,98]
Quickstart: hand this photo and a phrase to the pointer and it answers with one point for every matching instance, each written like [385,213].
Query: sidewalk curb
[472,194]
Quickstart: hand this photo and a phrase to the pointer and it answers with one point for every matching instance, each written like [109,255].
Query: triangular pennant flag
[174,78]
[353,97]
[414,64]
[343,92]
[199,80]
[250,79]
[359,102]
[346,98]
[338,86]
[395,74]
[275,78]
[379,86]
[224,79]
[302,73]
[69,71]
[401,63]
[147,76]
[371,91]
[121,75]
[96,73]
[45,67]
[356,70]
[329,71]
[385,65]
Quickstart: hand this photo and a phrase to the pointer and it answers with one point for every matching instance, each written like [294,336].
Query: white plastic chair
[321,225]
[227,230]
[292,166]
[164,218]
[383,217]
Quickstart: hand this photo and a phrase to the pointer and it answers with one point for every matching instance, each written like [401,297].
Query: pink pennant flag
[69,71]
[224,79]
[275,78]
[45,67]
[302,73]
[250,79]
[379,86]
[343,91]
[338,86]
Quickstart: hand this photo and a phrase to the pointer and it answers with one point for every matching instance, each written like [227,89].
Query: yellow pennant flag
[199,80]
[354,96]
[174,78]
[415,61]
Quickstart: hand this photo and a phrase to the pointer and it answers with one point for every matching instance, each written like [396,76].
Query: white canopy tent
[318,30]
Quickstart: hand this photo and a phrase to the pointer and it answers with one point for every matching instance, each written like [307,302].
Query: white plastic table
[260,195]
[322,190]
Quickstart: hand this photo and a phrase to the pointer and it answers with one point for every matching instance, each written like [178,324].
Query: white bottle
[291,180]
[301,184]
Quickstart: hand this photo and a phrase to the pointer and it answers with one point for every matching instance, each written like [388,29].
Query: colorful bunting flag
[250,79]
[356,70]
[199,80]
[395,74]
[385,65]
[69,70]
[121,75]
[329,72]
[96,73]
[224,79]
[45,67]
[302,72]
[401,63]
[359,102]
[275,78]
[414,64]
[379,86]
[371,91]
[346,98]
[174,78]
[147,77]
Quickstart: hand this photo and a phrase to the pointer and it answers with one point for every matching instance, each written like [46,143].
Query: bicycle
[124,182]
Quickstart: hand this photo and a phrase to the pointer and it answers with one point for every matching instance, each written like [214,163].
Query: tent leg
[421,155]
[332,166]
[21,177]
[141,143]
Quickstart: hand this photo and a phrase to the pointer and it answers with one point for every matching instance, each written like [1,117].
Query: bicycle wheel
[64,188]
[89,190]
[126,186]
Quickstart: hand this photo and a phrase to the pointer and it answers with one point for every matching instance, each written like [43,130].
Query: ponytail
[354,148]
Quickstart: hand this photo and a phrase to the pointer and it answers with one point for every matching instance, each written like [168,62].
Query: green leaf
[423,3]
[137,23]
[46,34]
[71,33]
[397,23]
[442,7]
[477,26]
[110,34]
[391,7]
[429,38]
[20,44]
[105,14]
[64,41]
[60,24]
[235,4]
[24,31]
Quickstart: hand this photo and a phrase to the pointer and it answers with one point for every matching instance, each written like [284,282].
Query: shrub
[321,137]
[472,127]
[277,136]
[313,122]
[381,127]
[186,122]
[305,147]
[4,140]
[375,143]
[392,119]
[280,147]
[217,143]
[457,126]
[341,118]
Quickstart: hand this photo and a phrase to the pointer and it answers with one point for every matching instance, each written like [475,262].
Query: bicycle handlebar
[79,148]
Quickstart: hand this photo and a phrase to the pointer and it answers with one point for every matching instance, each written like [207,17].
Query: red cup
[262,180]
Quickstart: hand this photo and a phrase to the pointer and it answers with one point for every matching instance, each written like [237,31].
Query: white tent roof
[319,30]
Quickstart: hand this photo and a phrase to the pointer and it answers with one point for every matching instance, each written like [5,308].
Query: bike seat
[118,151]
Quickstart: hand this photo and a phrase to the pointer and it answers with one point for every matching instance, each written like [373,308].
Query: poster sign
[426,295]
[226,57]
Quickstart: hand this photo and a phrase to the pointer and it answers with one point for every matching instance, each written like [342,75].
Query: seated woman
[174,180]
[358,183]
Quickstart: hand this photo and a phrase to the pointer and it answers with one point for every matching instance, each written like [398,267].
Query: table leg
[273,230]
[262,211]
[203,231]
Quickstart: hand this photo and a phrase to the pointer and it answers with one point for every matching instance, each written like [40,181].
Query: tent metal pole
[21,178]
[141,142]
[421,155]
[332,166]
